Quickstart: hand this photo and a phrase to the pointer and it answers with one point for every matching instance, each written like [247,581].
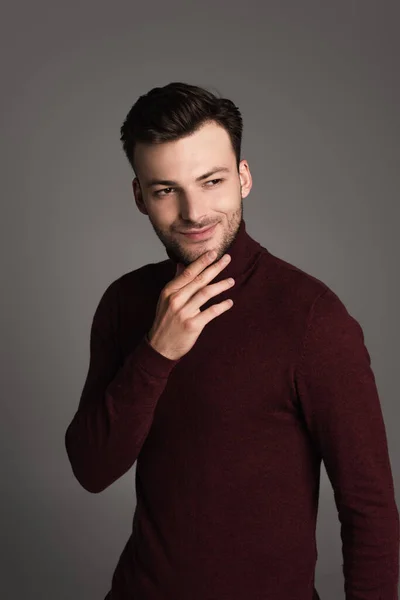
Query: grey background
[318,87]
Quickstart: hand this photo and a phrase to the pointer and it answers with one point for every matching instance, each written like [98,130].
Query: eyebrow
[169,182]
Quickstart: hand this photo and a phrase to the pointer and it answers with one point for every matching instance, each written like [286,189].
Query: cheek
[228,194]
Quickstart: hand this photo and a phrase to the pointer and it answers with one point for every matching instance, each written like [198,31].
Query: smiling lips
[197,235]
[198,230]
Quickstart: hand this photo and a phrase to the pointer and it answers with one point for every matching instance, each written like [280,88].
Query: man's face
[183,203]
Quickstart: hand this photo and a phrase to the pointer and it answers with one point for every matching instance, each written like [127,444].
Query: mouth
[200,234]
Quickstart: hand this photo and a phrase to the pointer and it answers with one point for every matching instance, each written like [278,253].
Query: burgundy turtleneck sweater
[229,438]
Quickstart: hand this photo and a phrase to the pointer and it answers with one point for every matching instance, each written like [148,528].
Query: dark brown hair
[177,110]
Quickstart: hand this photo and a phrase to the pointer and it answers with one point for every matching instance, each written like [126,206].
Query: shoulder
[136,280]
[303,300]
[293,286]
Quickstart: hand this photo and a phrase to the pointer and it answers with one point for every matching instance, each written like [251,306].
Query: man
[228,409]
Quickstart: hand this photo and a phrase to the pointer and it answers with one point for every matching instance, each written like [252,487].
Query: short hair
[175,111]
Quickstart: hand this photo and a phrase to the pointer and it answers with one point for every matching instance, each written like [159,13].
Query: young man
[228,409]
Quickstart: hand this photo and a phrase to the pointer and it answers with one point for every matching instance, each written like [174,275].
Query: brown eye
[212,181]
[158,193]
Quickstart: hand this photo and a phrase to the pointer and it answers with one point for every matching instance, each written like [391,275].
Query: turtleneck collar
[244,250]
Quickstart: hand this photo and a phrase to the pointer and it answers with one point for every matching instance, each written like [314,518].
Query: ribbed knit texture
[229,439]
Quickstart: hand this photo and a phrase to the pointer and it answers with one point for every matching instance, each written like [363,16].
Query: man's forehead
[205,146]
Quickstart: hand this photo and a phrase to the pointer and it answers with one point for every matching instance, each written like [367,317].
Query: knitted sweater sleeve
[117,403]
[339,398]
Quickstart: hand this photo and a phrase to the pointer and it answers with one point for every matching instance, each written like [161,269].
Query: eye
[158,193]
[212,180]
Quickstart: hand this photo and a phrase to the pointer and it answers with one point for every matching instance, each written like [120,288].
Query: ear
[137,192]
[245,178]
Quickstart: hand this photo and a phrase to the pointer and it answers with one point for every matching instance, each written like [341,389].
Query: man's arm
[339,398]
[117,403]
